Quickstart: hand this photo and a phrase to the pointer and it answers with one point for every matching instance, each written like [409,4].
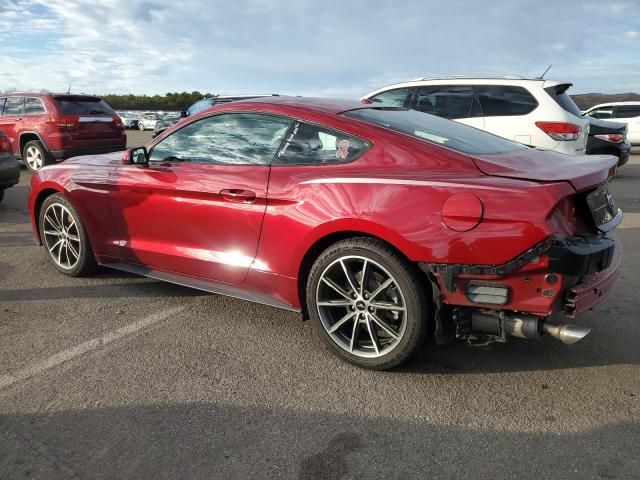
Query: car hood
[598,127]
[581,171]
[114,158]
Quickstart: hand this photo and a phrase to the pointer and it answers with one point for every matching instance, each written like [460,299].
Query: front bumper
[570,276]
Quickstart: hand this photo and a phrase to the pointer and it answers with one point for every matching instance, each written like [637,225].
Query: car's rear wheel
[368,303]
[140,126]
[35,155]
[65,238]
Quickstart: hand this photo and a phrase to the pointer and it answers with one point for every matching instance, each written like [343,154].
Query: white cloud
[631,34]
[298,46]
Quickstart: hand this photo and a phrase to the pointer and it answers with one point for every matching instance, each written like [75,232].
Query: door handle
[238,195]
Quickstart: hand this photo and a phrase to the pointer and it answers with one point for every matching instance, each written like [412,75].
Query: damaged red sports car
[384,226]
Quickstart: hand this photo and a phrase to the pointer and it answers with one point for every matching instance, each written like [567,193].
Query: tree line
[170,101]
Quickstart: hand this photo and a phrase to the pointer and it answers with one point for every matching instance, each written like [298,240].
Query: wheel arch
[28,136]
[37,207]
[328,239]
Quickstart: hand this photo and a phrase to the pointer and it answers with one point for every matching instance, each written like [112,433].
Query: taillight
[611,137]
[560,131]
[5,144]
[65,122]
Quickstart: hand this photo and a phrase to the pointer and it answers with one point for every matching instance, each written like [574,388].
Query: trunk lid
[581,171]
[600,127]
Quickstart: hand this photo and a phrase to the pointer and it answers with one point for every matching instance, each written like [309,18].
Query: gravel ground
[117,376]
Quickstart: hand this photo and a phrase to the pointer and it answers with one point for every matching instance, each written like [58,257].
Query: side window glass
[33,106]
[628,111]
[602,113]
[13,106]
[2,105]
[199,106]
[311,144]
[505,100]
[227,139]
[393,98]
[447,101]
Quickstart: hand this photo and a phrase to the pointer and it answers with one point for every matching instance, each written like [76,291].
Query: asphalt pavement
[118,376]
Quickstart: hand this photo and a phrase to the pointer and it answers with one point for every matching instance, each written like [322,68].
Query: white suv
[534,111]
[622,112]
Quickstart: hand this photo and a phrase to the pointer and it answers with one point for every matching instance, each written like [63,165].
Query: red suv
[46,127]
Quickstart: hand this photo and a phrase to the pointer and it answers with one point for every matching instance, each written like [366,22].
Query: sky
[330,48]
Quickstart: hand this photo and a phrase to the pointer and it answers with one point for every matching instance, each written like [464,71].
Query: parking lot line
[85,347]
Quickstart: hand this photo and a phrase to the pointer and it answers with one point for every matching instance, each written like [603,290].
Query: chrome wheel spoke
[388,306]
[363,279]
[384,325]
[386,284]
[75,252]
[342,321]
[350,279]
[373,336]
[354,334]
[52,232]
[335,303]
[336,287]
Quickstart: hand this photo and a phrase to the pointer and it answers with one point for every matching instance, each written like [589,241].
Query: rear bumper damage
[568,276]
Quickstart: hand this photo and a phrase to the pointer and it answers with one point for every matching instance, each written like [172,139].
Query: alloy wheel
[33,156]
[361,306]
[61,236]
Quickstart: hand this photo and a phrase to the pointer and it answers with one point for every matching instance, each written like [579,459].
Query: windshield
[432,129]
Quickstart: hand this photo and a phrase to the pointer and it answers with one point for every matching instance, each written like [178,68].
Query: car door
[11,120]
[629,114]
[197,208]
[34,114]
[454,102]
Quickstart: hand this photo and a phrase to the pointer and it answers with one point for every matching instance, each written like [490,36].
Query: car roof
[324,105]
[615,104]
[47,94]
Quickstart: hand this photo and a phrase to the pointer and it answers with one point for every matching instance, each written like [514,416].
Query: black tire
[413,290]
[86,263]
[44,154]
[1,194]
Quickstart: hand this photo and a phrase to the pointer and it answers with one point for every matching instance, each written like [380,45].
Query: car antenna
[545,72]
[69,89]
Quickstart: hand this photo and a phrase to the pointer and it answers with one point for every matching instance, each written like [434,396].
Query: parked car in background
[46,127]
[128,121]
[622,112]
[608,138]
[9,166]
[165,122]
[383,225]
[148,122]
[201,105]
[534,111]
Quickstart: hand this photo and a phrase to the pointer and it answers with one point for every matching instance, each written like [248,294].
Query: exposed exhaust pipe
[568,334]
[524,326]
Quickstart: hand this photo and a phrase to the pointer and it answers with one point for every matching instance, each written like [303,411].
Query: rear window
[432,129]
[505,100]
[562,98]
[83,106]
[628,111]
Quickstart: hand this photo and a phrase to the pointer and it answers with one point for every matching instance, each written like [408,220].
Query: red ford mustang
[385,226]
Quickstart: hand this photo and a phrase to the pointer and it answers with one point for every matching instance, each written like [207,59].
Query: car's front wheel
[140,126]
[368,304]
[65,238]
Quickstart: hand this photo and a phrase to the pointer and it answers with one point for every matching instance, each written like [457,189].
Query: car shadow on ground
[220,441]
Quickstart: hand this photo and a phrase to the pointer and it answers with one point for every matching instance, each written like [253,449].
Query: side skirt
[199,284]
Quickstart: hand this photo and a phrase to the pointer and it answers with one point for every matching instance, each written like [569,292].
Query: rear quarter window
[505,100]
[82,106]
[309,144]
[432,129]
[562,98]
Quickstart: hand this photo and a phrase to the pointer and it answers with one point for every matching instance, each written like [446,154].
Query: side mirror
[136,156]
[183,114]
